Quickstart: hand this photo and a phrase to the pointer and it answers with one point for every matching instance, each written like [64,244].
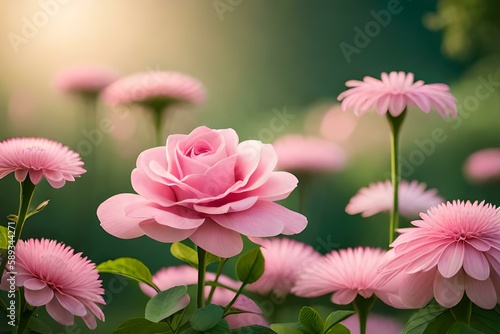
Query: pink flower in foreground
[483,165]
[85,79]
[206,187]
[376,324]
[296,152]
[455,248]
[284,261]
[66,283]
[378,197]
[347,273]
[155,88]
[39,158]
[167,278]
[394,93]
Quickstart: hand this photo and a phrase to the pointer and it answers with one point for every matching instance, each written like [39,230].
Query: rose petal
[112,216]
[164,233]
[217,240]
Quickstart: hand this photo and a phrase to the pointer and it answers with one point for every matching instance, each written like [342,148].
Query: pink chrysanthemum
[455,248]
[167,278]
[284,260]
[39,158]
[66,283]
[376,324]
[160,88]
[483,165]
[85,79]
[394,93]
[347,273]
[378,197]
[299,153]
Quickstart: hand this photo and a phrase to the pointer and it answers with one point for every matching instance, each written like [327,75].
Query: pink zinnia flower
[483,165]
[337,125]
[53,275]
[284,261]
[378,197]
[347,273]
[299,153]
[376,324]
[206,187]
[155,88]
[454,248]
[394,93]
[167,278]
[85,79]
[39,158]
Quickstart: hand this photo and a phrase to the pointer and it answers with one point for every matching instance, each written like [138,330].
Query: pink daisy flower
[347,273]
[53,275]
[155,88]
[378,197]
[85,79]
[284,260]
[300,153]
[454,248]
[167,278]
[376,324]
[483,165]
[394,93]
[39,158]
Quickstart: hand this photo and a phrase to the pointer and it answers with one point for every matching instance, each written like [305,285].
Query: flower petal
[448,291]
[217,240]
[39,297]
[164,233]
[112,216]
[482,293]
[59,313]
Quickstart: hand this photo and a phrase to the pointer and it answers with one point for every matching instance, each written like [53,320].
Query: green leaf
[290,328]
[335,317]
[4,240]
[338,329]
[462,328]
[39,208]
[130,268]
[38,326]
[166,303]
[420,320]
[311,319]
[207,317]
[250,266]
[487,321]
[440,324]
[254,329]
[189,255]
[222,327]
[132,326]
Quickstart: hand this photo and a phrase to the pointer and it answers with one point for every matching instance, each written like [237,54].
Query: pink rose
[207,187]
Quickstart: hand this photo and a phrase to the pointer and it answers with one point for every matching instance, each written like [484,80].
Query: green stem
[362,306]
[217,275]
[231,303]
[462,311]
[395,124]
[202,255]
[158,119]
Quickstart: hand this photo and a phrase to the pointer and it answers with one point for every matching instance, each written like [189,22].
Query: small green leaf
[166,303]
[253,329]
[222,327]
[487,321]
[130,268]
[420,320]
[207,317]
[39,208]
[185,254]
[159,328]
[12,218]
[290,328]
[4,240]
[311,319]
[338,329]
[132,326]
[462,328]
[38,326]
[250,266]
[335,317]
[440,324]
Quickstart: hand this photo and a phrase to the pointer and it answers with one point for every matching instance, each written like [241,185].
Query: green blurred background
[254,56]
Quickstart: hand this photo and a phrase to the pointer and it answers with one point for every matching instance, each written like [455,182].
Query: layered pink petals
[207,187]
[65,282]
[85,79]
[453,250]
[39,158]
[483,165]
[394,93]
[378,197]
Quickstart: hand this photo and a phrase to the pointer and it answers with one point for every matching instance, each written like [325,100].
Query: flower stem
[202,255]
[362,306]
[217,275]
[395,124]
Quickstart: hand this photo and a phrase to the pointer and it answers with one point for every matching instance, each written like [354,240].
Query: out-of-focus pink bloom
[394,93]
[284,261]
[378,197]
[85,79]
[155,88]
[300,153]
[39,158]
[483,165]
[376,324]
[167,278]
[337,125]
[347,273]
[53,275]
[207,187]
[455,248]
